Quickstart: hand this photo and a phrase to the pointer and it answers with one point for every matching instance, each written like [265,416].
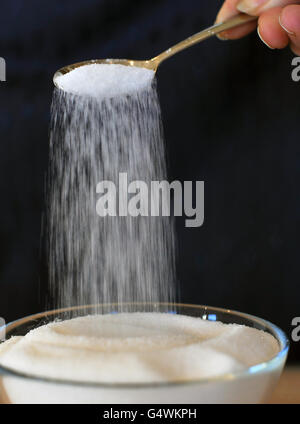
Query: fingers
[259,8]
[289,20]
[279,27]
[270,31]
[228,10]
[256,7]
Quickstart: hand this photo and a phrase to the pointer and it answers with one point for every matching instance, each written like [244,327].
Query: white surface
[253,388]
[137,347]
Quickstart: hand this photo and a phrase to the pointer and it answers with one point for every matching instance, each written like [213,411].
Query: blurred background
[231,118]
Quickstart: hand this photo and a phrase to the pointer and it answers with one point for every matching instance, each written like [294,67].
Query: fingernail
[247,6]
[222,36]
[283,27]
[258,32]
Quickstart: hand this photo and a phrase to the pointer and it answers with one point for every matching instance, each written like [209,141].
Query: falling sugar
[106,120]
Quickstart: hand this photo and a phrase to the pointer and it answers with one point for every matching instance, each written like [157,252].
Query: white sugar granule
[137,347]
[104,80]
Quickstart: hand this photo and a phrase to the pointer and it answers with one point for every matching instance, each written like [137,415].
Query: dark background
[231,116]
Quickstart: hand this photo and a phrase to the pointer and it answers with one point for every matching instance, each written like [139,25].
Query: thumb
[256,7]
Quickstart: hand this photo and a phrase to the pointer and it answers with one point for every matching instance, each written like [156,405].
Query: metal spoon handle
[202,35]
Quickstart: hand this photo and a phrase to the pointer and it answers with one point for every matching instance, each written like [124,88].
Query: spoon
[157,60]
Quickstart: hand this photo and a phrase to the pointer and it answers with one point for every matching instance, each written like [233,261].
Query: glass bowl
[252,385]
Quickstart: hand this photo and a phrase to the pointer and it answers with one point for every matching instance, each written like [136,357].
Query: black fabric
[231,116]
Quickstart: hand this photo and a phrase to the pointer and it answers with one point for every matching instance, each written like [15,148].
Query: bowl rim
[278,359]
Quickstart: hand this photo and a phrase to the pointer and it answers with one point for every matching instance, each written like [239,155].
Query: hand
[278,23]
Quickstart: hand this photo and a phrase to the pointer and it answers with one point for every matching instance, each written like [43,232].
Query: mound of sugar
[137,347]
[104,80]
